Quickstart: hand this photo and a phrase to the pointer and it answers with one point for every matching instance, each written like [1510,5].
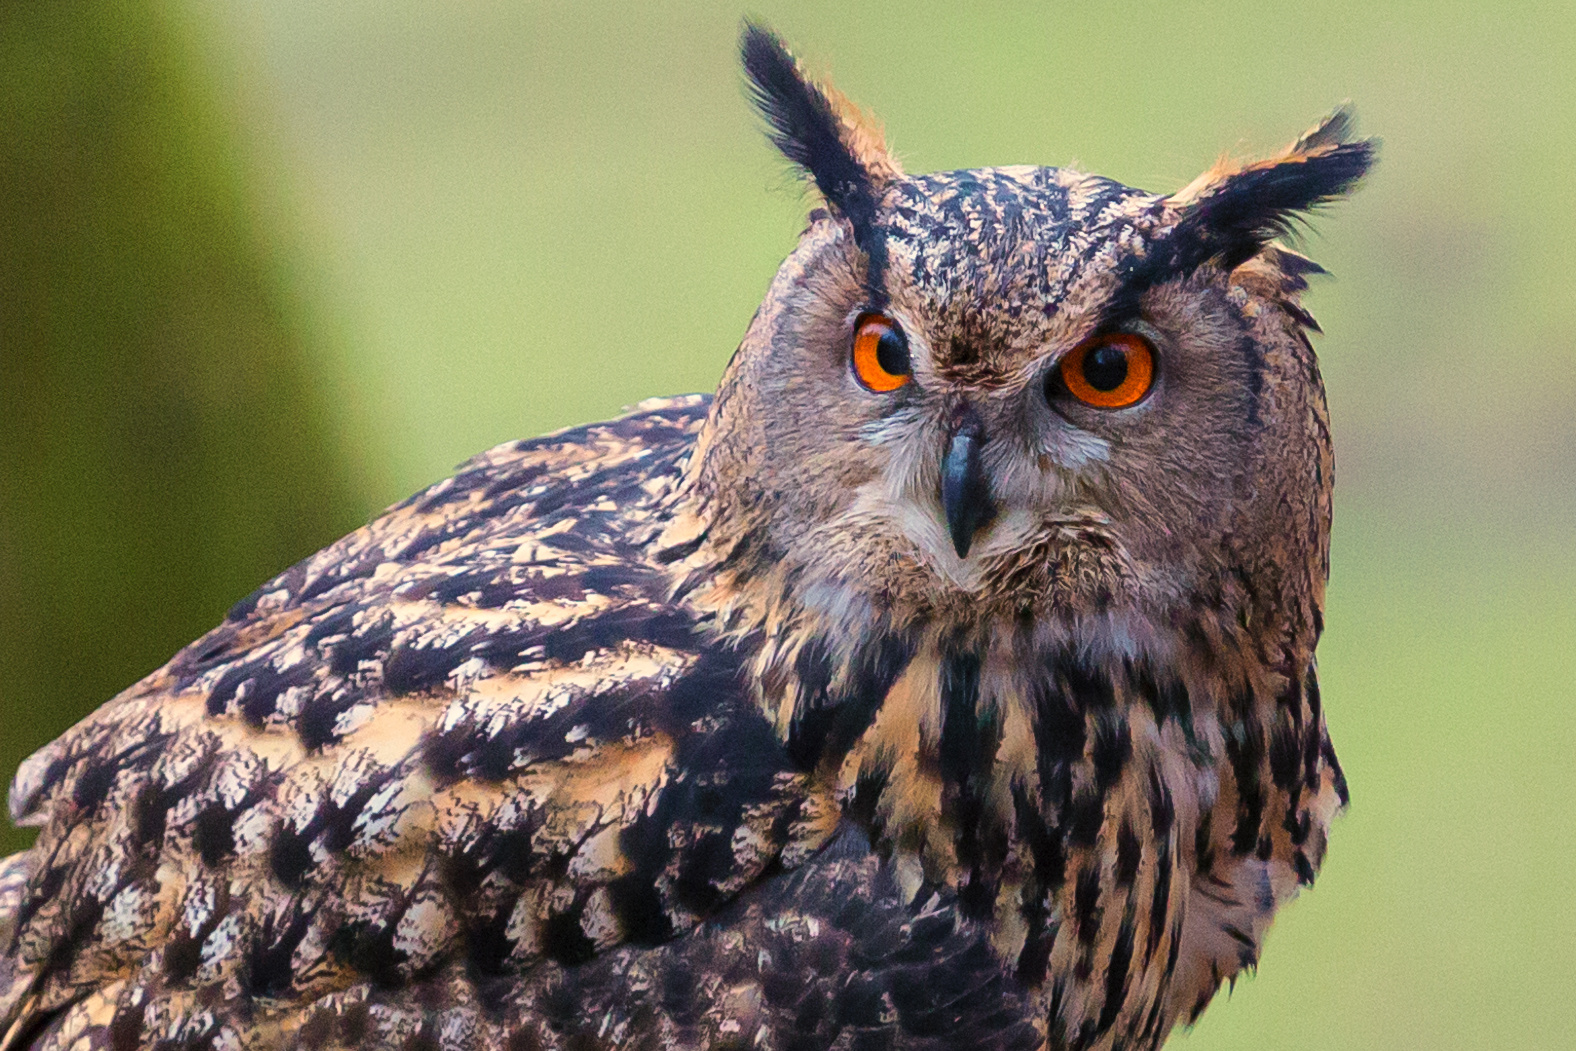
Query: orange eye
[1111,371]
[880,355]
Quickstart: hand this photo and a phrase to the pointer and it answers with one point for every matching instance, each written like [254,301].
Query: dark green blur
[163,445]
[266,265]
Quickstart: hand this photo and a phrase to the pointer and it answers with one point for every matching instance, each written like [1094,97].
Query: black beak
[965,495]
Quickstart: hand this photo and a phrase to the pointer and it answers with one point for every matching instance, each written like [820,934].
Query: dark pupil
[1105,367]
[892,353]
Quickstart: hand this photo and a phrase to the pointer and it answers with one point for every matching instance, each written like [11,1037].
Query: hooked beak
[965,493]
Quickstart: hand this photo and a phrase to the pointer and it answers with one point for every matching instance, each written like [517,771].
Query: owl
[946,680]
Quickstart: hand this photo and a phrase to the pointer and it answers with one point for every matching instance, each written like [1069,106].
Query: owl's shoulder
[563,499]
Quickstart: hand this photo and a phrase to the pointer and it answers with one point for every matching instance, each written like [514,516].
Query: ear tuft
[1334,130]
[816,128]
[1232,211]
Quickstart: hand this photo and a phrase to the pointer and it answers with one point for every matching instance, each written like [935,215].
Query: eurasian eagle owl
[946,680]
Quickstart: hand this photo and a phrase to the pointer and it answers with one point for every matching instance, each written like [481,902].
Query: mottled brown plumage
[721,724]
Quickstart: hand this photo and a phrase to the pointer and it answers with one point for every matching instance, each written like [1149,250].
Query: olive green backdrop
[266,266]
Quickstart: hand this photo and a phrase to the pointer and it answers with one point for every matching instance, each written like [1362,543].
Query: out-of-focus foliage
[532,213]
[163,445]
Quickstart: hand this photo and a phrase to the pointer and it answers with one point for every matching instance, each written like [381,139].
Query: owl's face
[1027,393]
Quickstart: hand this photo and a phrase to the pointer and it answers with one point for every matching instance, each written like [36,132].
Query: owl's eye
[1111,371]
[880,355]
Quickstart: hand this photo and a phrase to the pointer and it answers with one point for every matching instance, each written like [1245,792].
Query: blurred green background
[268,266]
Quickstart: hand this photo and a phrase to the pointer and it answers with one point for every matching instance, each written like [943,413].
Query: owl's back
[472,740]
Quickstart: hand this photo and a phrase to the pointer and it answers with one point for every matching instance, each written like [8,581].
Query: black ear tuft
[805,125]
[1232,213]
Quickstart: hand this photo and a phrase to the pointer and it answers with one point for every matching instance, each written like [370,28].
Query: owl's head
[1022,393]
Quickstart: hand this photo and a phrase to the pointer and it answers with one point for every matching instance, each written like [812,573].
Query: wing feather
[475,734]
